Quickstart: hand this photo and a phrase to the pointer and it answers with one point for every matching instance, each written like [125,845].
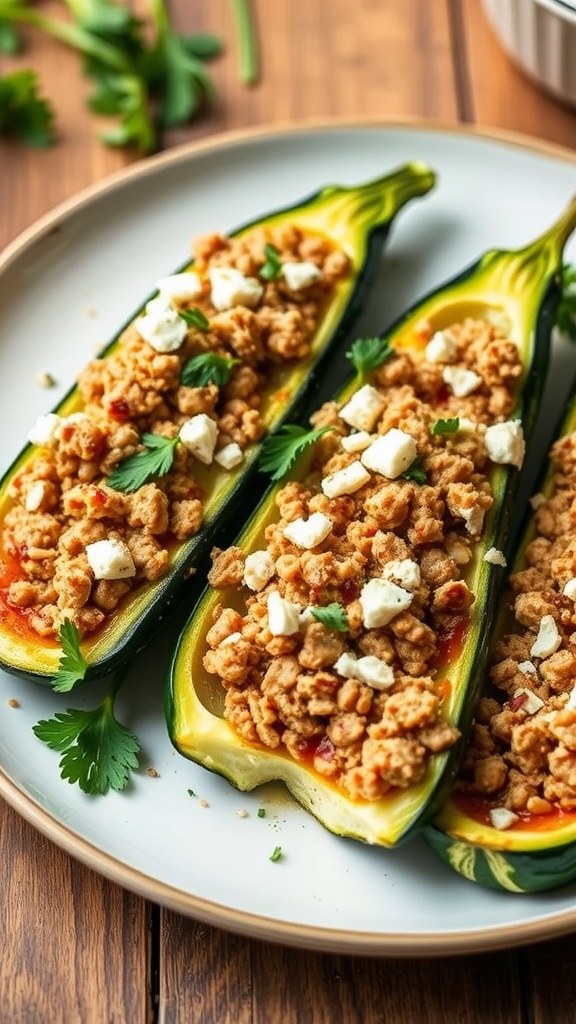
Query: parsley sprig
[281,450]
[194,317]
[73,665]
[272,266]
[415,472]
[98,752]
[566,311]
[447,426]
[367,354]
[146,75]
[332,615]
[24,114]
[136,470]
[207,368]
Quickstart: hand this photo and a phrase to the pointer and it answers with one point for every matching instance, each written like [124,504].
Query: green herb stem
[247,41]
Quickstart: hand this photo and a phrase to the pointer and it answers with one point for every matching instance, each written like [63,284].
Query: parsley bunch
[146,75]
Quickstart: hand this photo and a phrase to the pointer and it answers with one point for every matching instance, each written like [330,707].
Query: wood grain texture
[75,948]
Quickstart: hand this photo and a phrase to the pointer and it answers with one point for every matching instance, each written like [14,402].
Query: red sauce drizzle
[119,410]
[451,639]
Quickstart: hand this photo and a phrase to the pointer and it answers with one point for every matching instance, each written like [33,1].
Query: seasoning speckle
[242,812]
[45,379]
[204,803]
[13,703]
[152,773]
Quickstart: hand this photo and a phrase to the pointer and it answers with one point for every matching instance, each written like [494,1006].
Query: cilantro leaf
[332,615]
[276,854]
[207,368]
[280,451]
[270,270]
[73,665]
[448,426]
[98,752]
[368,354]
[24,115]
[195,318]
[566,311]
[415,472]
[136,470]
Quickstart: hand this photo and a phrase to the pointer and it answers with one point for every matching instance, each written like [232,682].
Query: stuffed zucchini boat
[340,643]
[108,511]
[510,821]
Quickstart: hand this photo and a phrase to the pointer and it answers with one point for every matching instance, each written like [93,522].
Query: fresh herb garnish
[146,75]
[566,311]
[136,470]
[270,270]
[448,426]
[261,812]
[415,472]
[280,451]
[367,354]
[195,318]
[332,615]
[24,115]
[72,666]
[276,854]
[207,368]
[98,752]
[191,792]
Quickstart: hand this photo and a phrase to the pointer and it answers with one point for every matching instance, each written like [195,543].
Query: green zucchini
[536,851]
[522,288]
[355,219]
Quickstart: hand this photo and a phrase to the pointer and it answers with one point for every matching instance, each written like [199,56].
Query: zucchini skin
[359,219]
[525,285]
[524,860]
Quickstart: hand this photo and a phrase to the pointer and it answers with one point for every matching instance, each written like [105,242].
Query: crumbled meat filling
[522,750]
[60,499]
[360,697]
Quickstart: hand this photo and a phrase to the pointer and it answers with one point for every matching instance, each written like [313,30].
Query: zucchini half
[357,219]
[522,286]
[538,852]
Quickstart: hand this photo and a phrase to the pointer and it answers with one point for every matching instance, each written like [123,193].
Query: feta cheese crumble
[45,430]
[548,640]
[403,571]
[232,288]
[461,382]
[230,456]
[381,600]
[199,434]
[363,408]
[180,287]
[495,557]
[505,443]
[368,669]
[501,818]
[345,481]
[259,568]
[162,328]
[300,275]
[308,533]
[110,560]
[441,348]
[391,453]
[283,616]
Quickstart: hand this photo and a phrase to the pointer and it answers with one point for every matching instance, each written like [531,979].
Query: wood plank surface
[77,949]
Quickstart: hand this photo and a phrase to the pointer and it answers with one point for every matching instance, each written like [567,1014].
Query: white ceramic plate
[65,286]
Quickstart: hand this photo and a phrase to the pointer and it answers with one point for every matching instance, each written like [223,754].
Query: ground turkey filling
[364,704]
[61,502]
[522,753]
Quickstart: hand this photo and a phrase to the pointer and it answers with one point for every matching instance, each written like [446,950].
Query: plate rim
[252,925]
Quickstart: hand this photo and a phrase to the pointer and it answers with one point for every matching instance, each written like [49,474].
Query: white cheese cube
[230,456]
[345,481]
[35,496]
[381,600]
[532,703]
[356,442]
[199,434]
[363,409]
[259,568]
[391,453]
[473,518]
[45,430]
[569,590]
[308,533]
[110,560]
[403,571]
[441,348]
[501,818]
[283,616]
[461,382]
[180,287]
[232,638]
[548,640]
[369,669]
[232,288]
[505,443]
[163,329]
[300,275]
[527,668]
[495,557]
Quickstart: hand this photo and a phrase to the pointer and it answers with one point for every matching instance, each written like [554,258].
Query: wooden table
[75,947]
